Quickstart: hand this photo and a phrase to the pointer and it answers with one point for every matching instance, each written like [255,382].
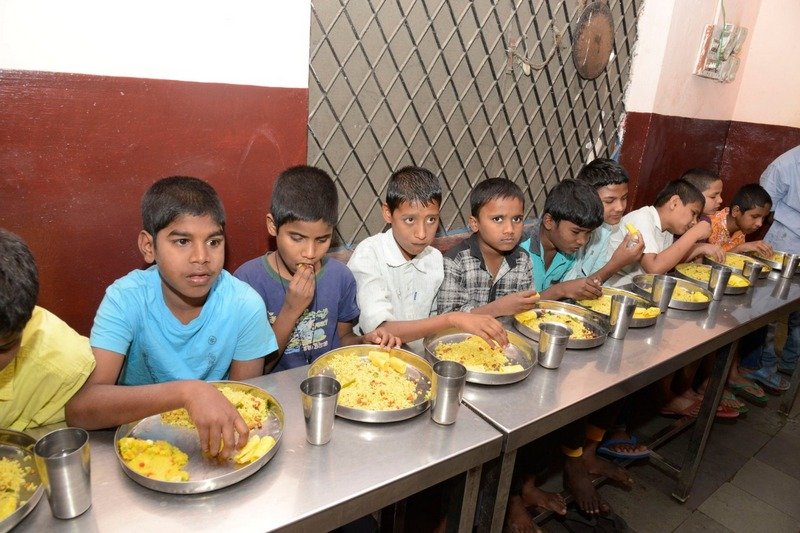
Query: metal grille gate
[427,82]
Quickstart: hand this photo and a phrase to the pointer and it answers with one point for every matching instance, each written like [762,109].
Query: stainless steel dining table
[590,379]
[363,469]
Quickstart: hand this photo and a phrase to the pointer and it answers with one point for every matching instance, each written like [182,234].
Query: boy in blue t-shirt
[310,299]
[159,333]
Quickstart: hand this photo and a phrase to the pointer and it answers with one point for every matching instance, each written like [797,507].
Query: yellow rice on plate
[368,386]
[154,459]
[602,305]
[474,353]
[685,295]
[12,477]
[253,409]
[737,262]
[703,273]
[532,320]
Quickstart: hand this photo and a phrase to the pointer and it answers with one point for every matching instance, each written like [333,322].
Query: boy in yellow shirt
[43,361]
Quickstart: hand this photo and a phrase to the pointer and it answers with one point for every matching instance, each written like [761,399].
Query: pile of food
[476,355]
[12,479]
[378,383]
[532,319]
[602,305]
[777,257]
[255,448]
[737,262]
[154,459]
[703,273]
[685,295]
[253,408]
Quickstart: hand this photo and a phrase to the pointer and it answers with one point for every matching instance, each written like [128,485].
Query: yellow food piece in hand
[631,229]
[379,359]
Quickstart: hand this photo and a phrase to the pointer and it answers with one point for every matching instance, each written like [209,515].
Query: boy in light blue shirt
[159,333]
[596,259]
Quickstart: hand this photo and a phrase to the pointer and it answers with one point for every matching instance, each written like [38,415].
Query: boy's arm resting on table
[101,403]
[664,261]
[482,325]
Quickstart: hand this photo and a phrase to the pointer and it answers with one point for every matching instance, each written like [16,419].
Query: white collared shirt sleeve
[372,286]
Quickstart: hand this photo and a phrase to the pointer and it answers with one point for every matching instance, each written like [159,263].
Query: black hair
[602,172]
[304,193]
[688,193]
[575,201]
[700,177]
[490,189]
[751,196]
[413,185]
[170,198]
[19,283]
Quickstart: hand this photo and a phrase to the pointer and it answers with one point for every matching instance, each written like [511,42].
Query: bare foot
[518,520]
[533,496]
[578,482]
[600,467]
[677,404]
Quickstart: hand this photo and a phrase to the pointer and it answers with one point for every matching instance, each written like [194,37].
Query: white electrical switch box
[718,55]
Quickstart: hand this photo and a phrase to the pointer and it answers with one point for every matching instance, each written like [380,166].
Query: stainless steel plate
[595,322]
[204,474]
[729,289]
[731,257]
[418,370]
[643,284]
[518,352]
[641,301]
[19,446]
[777,265]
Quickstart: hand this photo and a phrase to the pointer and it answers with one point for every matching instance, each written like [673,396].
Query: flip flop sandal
[605,449]
[747,391]
[694,409]
[731,397]
[773,381]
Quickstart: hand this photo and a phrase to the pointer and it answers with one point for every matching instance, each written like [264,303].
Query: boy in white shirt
[398,272]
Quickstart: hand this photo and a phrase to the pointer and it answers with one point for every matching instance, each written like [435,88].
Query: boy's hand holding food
[382,338]
[701,230]
[217,420]
[484,326]
[629,250]
[300,290]
[711,250]
[514,303]
[762,248]
[582,289]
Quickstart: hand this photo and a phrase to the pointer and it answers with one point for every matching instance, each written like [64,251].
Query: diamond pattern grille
[427,82]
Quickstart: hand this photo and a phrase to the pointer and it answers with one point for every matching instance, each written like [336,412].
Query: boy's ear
[387,213]
[147,247]
[736,211]
[673,202]
[271,227]
[473,223]
[548,222]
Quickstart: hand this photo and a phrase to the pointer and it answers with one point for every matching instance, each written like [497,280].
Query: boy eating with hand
[749,208]
[710,185]
[488,272]
[399,273]
[310,299]
[160,333]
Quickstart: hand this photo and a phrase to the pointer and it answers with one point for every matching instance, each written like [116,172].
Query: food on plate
[253,408]
[376,384]
[602,305]
[476,355]
[154,459]
[685,295]
[12,479]
[737,262]
[532,319]
[703,273]
[777,257]
[255,448]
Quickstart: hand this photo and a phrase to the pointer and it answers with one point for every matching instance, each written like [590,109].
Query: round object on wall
[593,41]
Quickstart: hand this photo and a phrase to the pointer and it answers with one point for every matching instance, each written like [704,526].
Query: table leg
[463,500]
[494,490]
[705,419]
[788,398]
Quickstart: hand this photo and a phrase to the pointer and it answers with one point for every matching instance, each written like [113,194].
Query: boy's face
[499,223]
[9,346]
[751,220]
[615,200]
[566,236]
[713,196]
[413,226]
[189,253]
[681,216]
[301,242]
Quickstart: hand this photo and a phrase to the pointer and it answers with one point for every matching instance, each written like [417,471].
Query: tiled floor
[748,480]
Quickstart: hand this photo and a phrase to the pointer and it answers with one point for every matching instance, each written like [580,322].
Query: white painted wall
[246,42]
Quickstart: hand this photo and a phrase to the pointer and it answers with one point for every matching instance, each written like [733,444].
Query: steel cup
[789,265]
[751,270]
[781,288]
[622,308]
[663,286]
[718,281]
[553,338]
[63,460]
[449,378]
[319,395]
